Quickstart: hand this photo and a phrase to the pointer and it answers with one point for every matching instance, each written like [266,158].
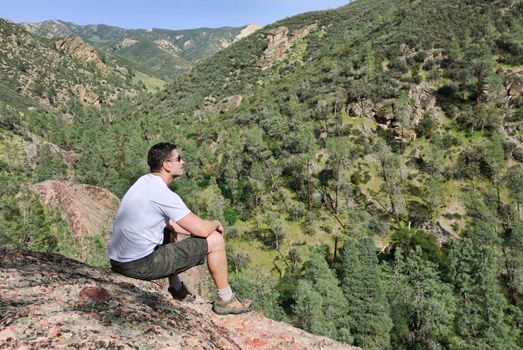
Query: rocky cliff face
[88,209]
[248,30]
[279,41]
[48,301]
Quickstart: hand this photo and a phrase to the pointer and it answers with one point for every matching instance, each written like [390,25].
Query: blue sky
[165,14]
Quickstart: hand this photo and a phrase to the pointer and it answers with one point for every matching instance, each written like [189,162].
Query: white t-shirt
[143,214]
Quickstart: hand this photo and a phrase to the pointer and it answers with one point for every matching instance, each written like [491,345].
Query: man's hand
[199,227]
[171,230]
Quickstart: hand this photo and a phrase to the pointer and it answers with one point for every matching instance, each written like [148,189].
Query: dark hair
[158,154]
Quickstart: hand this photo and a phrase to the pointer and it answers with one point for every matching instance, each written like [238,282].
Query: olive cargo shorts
[167,259]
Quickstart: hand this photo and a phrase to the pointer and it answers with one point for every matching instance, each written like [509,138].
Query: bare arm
[177,228]
[197,226]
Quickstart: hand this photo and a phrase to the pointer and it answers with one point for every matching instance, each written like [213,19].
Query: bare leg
[217,260]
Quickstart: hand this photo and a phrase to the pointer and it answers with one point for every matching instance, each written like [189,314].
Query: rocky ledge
[49,301]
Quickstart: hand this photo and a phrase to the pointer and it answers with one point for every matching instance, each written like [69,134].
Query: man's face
[176,164]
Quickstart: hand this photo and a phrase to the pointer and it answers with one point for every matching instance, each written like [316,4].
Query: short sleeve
[172,206]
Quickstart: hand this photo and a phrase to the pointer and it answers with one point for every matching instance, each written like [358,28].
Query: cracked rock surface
[49,301]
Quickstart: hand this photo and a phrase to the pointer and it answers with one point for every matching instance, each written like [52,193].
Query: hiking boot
[234,306]
[182,294]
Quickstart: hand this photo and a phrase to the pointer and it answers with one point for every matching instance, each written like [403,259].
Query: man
[138,248]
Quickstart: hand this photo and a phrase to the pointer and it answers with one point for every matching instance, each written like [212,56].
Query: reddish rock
[41,292]
[8,334]
[54,331]
[256,342]
[94,294]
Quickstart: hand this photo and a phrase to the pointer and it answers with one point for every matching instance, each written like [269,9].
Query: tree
[49,166]
[392,181]
[368,308]
[320,306]
[512,260]
[480,320]
[422,305]
[258,286]
[275,232]
[514,182]
[433,180]
[477,70]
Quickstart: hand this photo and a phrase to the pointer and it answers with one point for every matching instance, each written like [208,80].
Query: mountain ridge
[144,46]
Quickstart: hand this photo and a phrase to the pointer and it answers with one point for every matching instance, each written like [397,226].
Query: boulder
[384,115]
[363,108]
[434,227]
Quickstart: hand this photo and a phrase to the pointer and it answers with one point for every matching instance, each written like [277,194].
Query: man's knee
[215,242]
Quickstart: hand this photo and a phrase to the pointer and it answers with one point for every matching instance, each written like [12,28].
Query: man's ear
[165,166]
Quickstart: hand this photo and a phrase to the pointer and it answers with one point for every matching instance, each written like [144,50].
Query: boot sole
[226,311]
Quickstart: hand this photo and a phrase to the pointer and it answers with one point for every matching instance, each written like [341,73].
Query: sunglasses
[179,158]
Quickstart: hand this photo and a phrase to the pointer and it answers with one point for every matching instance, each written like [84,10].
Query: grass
[151,83]
[264,259]
[12,150]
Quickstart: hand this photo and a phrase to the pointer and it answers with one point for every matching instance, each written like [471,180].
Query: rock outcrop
[248,30]
[81,50]
[229,103]
[87,97]
[434,227]
[279,42]
[88,209]
[48,301]
[423,99]
[513,85]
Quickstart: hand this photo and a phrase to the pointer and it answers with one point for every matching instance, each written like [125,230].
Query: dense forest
[370,177]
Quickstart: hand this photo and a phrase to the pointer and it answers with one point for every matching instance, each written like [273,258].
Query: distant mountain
[165,53]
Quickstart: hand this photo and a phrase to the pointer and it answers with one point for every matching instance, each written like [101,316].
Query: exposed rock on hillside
[81,50]
[423,99]
[248,30]
[227,104]
[88,209]
[434,227]
[513,85]
[87,97]
[47,73]
[48,301]
[280,42]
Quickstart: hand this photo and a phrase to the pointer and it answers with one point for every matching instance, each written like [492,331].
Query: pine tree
[513,263]
[320,305]
[514,182]
[480,316]
[368,308]
[421,304]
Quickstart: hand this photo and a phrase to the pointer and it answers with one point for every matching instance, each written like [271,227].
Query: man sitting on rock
[140,249]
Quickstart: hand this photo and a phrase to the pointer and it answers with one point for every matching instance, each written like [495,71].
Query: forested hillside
[367,162]
[46,88]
